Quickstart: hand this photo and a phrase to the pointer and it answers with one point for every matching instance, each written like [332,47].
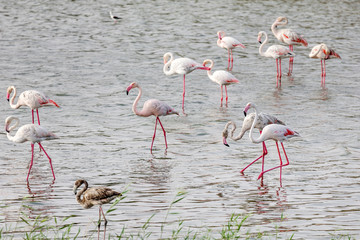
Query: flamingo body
[221,77]
[29,132]
[31,98]
[88,197]
[228,43]
[151,107]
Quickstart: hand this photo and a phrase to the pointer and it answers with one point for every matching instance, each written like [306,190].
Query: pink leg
[232,60]
[153,138]
[279,67]
[105,222]
[37,113]
[31,163]
[183,94]
[222,97]
[281,165]
[228,59]
[226,95]
[291,61]
[262,156]
[163,131]
[32,112]
[52,170]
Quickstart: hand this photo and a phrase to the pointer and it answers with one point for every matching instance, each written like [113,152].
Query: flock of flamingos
[269,126]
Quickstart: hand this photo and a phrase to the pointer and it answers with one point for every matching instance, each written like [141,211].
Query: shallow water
[75,53]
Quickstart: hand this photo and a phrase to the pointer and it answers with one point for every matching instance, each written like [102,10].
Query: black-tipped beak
[245,113]
[127,92]
[8,99]
[226,144]
[260,42]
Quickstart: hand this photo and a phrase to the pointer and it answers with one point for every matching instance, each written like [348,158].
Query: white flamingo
[275,51]
[275,132]
[181,66]
[228,43]
[31,98]
[262,121]
[221,77]
[29,132]
[151,107]
[287,36]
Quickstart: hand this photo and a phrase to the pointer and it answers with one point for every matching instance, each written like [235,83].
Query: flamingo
[115,18]
[31,98]
[323,52]
[276,132]
[223,78]
[229,43]
[262,121]
[151,107]
[287,36]
[180,66]
[29,132]
[94,196]
[275,51]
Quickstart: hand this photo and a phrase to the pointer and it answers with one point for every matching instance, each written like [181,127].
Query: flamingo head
[9,91]
[282,20]
[225,135]
[167,57]
[132,85]
[208,61]
[78,183]
[8,122]
[248,106]
[259,36]
[220,34]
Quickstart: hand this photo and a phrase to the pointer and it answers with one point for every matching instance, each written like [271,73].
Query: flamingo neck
[209,73]
[80,193]
[258,140]
[241,134]
[12,99]
[167,65]
[9,129]
[261,50]
[134,107]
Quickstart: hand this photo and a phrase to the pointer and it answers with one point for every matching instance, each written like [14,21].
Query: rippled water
[73,51]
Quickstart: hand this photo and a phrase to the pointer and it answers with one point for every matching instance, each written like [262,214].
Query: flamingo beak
[245,113]
[225,143]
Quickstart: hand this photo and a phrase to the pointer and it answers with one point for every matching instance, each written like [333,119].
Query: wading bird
[31,98]
[88,197]
[228,43]
[29,132]
[115,18]
[151,107]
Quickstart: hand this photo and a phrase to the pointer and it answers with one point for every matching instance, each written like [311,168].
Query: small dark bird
[94,196]
[114,17]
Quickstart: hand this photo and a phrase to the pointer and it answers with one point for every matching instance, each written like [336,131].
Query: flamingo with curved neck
[275,51]
[288,37]
[223,78]
[181,66]
[31,98]
[228,43]
[88,197]
[29,132]
[323,52]
[275,132]
[151,107]
[263,120]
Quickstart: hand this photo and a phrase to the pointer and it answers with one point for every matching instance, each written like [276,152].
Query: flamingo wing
[223,78]
[292,38]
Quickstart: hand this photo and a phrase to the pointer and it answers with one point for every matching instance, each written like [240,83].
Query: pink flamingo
[275,51]
[323,52]
[287,36]
[275,132]
[229,43]
[180,66]
[31,98]
[262,121]
[223,78]
[151,107]
[94,196]
[29,132]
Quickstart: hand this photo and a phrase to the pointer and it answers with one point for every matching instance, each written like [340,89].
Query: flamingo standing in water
[275,132]
[31,98]
[262,121]
[151,107]
[29,132]
[323,52]
[275,51]
[287,36]
[94,196]
[228,43]
[223,78]
[181,66]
